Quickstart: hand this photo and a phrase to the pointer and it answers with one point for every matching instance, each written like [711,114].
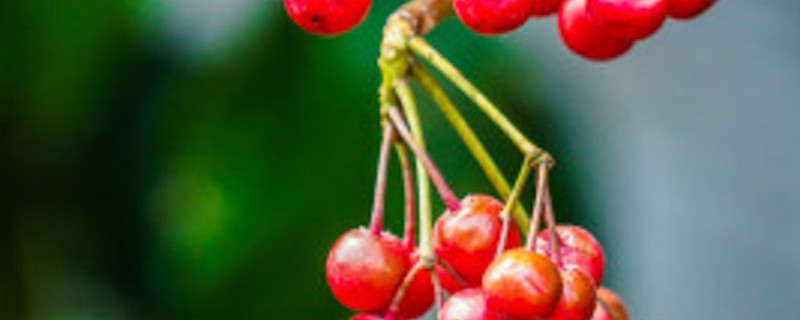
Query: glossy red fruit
[327,17]
[579,249]
[614,303]
[522,284]
[467,240]
[584,36]
[688,9]
[373,316]
[364,270]
[419,295]
[543,8]
[600,313]
[493,16]
[578,297]
[629,19]
[447,281]
[469,304]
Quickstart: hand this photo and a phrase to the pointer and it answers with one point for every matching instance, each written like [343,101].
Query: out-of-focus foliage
[144,179]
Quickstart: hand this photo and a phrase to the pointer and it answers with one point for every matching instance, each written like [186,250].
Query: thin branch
[512,200]
[410,197]
[419,46]
[541,183]
[470,139]
[379,196]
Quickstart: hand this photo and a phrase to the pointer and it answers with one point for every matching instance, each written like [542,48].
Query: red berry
[615,305]
[578,298]
[600,313]
[629,19]
[522,284]
[327,17]
[582,34]
[419,294]
[493,16]
[543,8]
[447,281]
[579,249]
[467,240]
[364,270]
[688,9]
[469,304]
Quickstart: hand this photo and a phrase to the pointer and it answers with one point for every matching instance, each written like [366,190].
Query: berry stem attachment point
[470,139]
[513,198]
[448,197]
[409,193]
[421,47]
[541,184]
[379,196]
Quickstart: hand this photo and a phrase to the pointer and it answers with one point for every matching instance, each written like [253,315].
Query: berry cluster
[476,258]
[594,29]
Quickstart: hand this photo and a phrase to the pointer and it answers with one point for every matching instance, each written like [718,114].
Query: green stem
[423,185]
[470,139]
[379,196]
[423,49]
[511,202]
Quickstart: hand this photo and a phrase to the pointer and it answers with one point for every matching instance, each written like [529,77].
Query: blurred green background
[148,176]
[195,159]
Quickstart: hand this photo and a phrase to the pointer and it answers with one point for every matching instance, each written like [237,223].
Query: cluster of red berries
[364,270]
[595,29]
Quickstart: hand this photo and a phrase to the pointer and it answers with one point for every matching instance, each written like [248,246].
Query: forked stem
[541,183]
[448,197]
[421,47]
[470,139]
[379,196]
[512,200]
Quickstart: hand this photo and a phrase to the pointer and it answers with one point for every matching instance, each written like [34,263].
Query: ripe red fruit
[543,8]
[522,284]
[418,297]
[327,17]
[364,270]
[629,19]
[688,9]
[578,297]
[447,281]
[579,249]
[493,16]
[467,240]
[584,36]
[600,313]
[469,304]
[615,305]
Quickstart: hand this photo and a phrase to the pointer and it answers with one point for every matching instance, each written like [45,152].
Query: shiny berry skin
[579,249]
[614,303]
[372,316]
[364,270]
[419,294]
[584,36]
[543,8]
[327,17]
[578,297]
[600,313]
[688,9]
[522,284]
[491,17]
[469,304]
[467,240]
[447,281]
[629,19]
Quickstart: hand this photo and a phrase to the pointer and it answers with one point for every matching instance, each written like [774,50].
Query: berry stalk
[379,196]
[516,192]
[448,197]
[470,139]
[541,183]
[410,196]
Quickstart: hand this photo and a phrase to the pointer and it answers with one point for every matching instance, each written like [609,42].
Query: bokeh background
[194,159]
